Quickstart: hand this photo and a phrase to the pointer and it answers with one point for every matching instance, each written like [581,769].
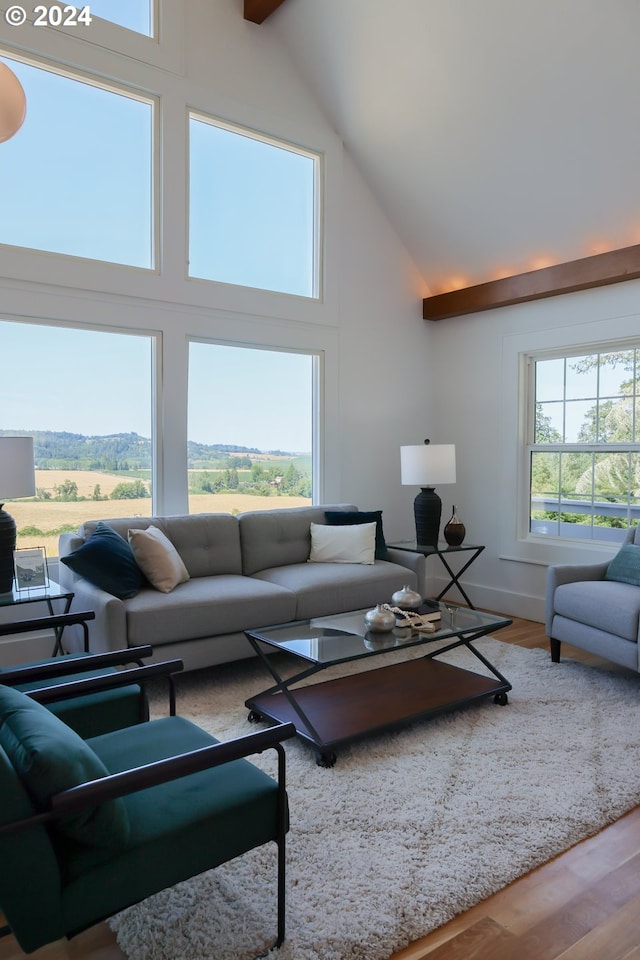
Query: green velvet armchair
[95,708]
[88,828]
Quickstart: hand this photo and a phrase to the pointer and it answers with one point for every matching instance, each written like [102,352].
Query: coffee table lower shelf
[347,708]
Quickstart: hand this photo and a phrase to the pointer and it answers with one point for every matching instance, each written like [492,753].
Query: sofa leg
[555,649]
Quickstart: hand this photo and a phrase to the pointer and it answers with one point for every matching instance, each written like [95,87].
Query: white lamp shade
[13,103]
[17,476]
[428,464]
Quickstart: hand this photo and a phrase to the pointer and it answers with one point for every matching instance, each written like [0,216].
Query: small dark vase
[454,530]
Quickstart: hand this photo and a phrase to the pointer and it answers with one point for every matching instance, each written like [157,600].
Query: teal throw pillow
[625,566]
[49,757]
[340,518]
[106,560]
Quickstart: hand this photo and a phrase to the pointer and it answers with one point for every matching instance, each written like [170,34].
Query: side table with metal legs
[411,546]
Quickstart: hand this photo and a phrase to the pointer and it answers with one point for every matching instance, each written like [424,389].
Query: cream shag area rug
[410,828]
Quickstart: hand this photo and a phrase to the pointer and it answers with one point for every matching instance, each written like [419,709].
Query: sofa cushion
[325,588]
[106,560]
[625,566]
[205,607]
[603,604]
[350,544]
[209,543]
[275,538]
[157,558]
[50,757]
[345,517]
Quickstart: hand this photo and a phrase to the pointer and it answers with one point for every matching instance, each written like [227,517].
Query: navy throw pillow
[106,560]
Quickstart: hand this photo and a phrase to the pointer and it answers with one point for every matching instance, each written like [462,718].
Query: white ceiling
[498,135]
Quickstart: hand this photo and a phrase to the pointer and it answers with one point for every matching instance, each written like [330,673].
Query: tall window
[250,428]
[86,397]
[584,450]
[78,176]
[252,210]
[135,15]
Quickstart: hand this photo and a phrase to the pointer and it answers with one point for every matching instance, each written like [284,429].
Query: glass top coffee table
[337,711]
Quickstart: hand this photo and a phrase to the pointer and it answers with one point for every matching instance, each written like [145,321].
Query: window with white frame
[253,204]
[136,15]
[92,424]
[250,428]
[584,443]
[77,178]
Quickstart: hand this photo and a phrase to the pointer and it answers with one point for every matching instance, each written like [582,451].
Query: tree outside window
[585,455]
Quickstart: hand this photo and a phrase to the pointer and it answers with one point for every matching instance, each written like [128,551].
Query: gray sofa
[246,571]
[587,610]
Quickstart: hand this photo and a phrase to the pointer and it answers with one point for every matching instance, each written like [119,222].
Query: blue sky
[78,179]
[254,398]
[92,196]
[133,14]
[73,380]
[266,403]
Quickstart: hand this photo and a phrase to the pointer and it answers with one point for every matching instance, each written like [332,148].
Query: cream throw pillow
[157,558]
[352,544]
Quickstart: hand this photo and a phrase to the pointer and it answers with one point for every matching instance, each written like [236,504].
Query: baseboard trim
[490,598]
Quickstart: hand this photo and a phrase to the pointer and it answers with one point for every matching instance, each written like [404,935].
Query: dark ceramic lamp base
[7,546]
[427,509]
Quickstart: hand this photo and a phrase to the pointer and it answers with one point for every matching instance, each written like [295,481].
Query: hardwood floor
[583,905]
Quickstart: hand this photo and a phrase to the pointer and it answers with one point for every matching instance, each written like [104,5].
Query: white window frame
[279,143]
[164,49]
[122,90]
[576,325]
[155,338]
[532,447]
[317,399]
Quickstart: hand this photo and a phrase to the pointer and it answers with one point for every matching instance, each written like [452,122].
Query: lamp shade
[13,103]
[428,464]
[17,476]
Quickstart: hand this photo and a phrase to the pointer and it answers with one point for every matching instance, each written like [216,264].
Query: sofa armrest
[109,629]
[560,573]
[412,561]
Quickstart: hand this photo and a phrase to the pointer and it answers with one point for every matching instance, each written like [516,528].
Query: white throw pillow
[157,558]
[351,544]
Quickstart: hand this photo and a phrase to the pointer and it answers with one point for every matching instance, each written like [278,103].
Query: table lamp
[17,479]
[424,466]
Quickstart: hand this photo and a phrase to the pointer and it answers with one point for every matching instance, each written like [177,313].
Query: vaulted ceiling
[499,136]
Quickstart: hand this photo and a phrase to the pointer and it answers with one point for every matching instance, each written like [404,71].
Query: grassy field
[49,516]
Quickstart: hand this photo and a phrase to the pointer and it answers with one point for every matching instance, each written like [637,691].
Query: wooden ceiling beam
[596,271]
[258,10]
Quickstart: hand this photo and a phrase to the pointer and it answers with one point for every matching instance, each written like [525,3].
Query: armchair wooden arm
[70,664]
[59,621]
[162,771]
[110,681]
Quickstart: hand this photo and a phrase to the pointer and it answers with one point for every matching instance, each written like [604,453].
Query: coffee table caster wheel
[501,698]
[325,759]
[254,716]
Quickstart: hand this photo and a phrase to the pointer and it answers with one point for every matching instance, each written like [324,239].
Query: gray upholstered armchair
[597,606]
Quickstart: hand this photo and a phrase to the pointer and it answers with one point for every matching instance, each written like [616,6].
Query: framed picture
[30,567]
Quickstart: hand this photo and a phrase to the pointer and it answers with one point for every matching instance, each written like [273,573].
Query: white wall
[367,324]
[390,378]
[475,378]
